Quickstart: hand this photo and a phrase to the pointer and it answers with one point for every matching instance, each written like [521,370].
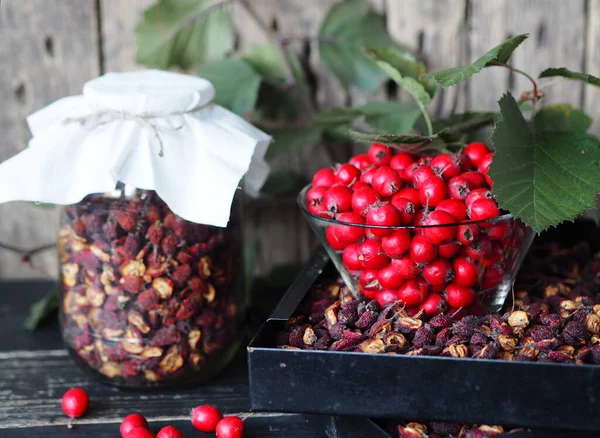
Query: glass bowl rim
[302,196]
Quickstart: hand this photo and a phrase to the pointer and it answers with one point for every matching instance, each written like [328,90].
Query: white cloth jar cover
[154,130]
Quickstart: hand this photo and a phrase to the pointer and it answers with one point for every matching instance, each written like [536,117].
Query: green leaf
[265,60]
[542,177]
[464,121]
[181,33]
[41,309]
[415,88]
[501,53]
[390,117]
[407,143]
[566,73]
[561,117]
[338,115]
[290,139]
[275,104]
[348,28]
[282,181]
[239,98]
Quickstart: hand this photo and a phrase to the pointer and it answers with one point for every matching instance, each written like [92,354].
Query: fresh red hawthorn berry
[465,163]
[397,243]
[367,175]
[433,305]
[421,250]
[389,277]
[369,235]
[498,231]
[437,288]
[406,267]
[481,193]
[350,258]
[409,172]
[467,234]
[421,175]
[465,272]
[386,296]
[458,296]
[75,402]
[132,421]
[459,187]
[446,165]
[383,215]
[413,292]
[368,280]
[386,181]
[139,432]
[483,209]
[362,198]
[406,208]
[369,294]
[448,250]
[494,255]
[205,418]
[370,255]
[379,154]
[359,185]
[442,232]
[230,427]
[409,193]
[169,432]
[476,179]
[492,277]
[401,161]
[484,165]
[361,161]
[314,199]
[337,199]
[454,207]
[479,250]
[332,239]
[324,178]
[432,191]
[438,272]
[347,234]
[476,151]
[347,174]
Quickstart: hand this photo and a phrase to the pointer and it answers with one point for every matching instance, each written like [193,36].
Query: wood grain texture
[556,38]
[48,49]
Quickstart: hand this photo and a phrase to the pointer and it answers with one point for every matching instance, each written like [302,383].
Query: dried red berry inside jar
[149,303]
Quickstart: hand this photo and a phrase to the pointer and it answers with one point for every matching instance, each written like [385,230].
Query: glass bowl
[471,272]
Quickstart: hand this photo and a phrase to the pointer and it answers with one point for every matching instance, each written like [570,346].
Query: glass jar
[149,299]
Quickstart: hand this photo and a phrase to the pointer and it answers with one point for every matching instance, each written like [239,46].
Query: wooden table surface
[35,371]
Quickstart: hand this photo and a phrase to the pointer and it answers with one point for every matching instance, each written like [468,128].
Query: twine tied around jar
[103,117]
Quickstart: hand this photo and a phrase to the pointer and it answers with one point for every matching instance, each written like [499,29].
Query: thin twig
[536,94]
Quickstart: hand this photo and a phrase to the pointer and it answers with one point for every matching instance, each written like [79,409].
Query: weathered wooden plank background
[49,48]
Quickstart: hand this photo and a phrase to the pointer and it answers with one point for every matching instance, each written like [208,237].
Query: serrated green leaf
[390,117]
[542,177]
[282,181]
[183,33]
[265,60]
[289,139]
[561,117]
[501,53]
[410,85]
[464,121]
[566,73]
[348,28]
[240,98]
[336,116]
[41,309]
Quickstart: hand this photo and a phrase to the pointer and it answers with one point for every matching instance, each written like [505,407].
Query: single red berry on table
[361,161]
[433,305]
[483,209]
[454,207]
[401,161]
[446,165]
[347,234]
[448,250]
[363,198]
[438,230]
[459,187]
[421,175]
[438,272]
[324,178]
[397,243]
[230,427]
[476,152]
[458,296]
[139,432]
[132,421]
[383,215]
[413,292]
[337,199]
[406,208]
[467,234]
[465,272]
[422,250]
[347,174]
[75,402]
[432,191]
[370,255]
[380,154]
[390,277]
[386,296]
[350,258]
[386,181]
[205,418]
[169,432]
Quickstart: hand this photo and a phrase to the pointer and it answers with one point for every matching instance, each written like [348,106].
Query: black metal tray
[534,395]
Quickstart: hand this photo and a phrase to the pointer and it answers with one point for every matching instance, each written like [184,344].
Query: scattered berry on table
[75,402]
[205,418]
[169,432]
[139,432]
[230,427]
[132,421]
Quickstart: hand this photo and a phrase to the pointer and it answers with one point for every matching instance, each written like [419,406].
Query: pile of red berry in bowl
[422,230]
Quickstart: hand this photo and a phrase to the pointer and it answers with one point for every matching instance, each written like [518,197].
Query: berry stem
[536,93]
[425,117]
